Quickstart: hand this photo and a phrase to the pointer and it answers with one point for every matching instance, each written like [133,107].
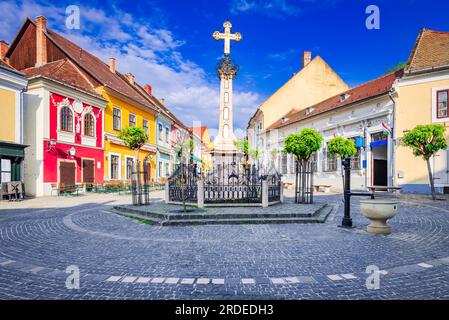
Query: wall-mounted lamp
[51,145]
[71,151]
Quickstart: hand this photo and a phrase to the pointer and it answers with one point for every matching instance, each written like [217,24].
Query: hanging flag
[386,128]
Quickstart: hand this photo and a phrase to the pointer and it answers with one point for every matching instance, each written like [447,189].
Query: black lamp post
[347,220]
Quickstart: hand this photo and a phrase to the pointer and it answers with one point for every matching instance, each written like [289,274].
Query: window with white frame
[89,125]
[146,126]
[115,167]
[117,119]
[167,135]
[160,169]
[160,131]
[66,119]
[167,170]
[5,170]
[330,162]
[132,120]
[442,97]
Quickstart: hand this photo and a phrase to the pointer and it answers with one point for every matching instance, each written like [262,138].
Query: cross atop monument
[227,36]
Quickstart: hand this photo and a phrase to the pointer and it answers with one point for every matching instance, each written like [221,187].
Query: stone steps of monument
[320,216]
[202,216]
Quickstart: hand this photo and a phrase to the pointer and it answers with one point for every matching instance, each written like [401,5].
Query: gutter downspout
[393,137]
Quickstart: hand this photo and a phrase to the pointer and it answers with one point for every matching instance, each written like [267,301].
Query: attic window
[344,97]
[309,110]
[284,119]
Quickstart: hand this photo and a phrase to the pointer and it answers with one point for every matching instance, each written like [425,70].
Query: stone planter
[379,211]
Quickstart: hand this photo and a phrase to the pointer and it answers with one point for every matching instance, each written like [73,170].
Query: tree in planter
[303,146]
[425,141]
[184,151]
[341,148]
[135,138]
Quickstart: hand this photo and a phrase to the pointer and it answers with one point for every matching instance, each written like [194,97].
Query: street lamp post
[347,220]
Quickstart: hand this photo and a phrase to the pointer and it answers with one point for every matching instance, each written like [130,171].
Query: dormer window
[284,119]
[344,97]
[309,110]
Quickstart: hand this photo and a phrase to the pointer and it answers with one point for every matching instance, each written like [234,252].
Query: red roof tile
[431,50]
[97,68]
[66,72]
[365,91]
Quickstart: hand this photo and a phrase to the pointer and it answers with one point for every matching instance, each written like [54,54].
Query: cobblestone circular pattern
[120,258]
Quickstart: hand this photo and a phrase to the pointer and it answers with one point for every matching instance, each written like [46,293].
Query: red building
[63,113]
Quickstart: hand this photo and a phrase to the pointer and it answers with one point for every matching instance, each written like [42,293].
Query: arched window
[226,113]
[89,125]
[66,119]
[225,131]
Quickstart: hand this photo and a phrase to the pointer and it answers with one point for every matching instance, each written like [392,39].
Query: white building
[365,114]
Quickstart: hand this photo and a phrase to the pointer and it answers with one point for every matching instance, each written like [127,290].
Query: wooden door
[67,173]
[88,171]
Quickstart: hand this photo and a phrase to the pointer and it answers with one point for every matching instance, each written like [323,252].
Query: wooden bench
[322,188]
[383,188]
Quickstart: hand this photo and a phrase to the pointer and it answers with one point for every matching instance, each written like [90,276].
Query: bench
[322,188]
[373,189]
[65,189]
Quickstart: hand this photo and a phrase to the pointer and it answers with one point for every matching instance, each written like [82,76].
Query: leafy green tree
[248,152]
[135,138]
[425,141]
[341,148]
[303,146]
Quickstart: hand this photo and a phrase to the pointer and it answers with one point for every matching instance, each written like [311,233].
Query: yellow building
[122,112]
[423,99]
[12,152]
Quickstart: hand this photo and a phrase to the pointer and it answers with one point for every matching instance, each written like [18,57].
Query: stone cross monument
[225,150]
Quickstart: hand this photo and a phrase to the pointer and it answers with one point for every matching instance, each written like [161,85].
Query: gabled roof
[431,51]
[63,71]
[89,65]
[360,93]
[201,129]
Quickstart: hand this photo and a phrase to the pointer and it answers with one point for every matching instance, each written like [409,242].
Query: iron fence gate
[183,183]
[233,183]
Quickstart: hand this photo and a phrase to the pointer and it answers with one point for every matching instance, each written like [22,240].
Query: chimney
[148,89]
[41,41]
[306,58]
[130,78]
[112,64]
[3,48]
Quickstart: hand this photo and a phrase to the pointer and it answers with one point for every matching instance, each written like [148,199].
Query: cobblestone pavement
[120,258]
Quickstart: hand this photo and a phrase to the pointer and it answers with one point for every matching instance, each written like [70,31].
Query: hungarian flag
[386,129]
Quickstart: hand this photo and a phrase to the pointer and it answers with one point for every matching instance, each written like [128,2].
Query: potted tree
[135,138]
[425,141]
[303,145]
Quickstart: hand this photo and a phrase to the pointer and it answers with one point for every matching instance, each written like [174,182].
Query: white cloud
[273,8]
[153,55]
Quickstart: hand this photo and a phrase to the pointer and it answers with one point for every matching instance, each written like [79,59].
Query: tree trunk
[303,181]
[432,184]
[137,177]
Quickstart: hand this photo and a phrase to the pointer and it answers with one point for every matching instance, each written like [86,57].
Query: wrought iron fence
[233,183]
[274,187]
[183,183]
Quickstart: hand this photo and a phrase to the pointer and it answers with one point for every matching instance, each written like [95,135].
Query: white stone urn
[379,211]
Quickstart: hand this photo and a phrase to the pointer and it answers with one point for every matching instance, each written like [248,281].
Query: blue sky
[168,44]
